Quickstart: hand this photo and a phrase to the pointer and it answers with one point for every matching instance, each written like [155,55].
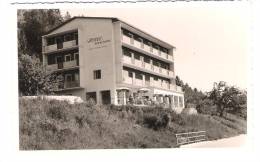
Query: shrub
[177,118]
[206,106]
[156,122]
[90,102]
[56,113]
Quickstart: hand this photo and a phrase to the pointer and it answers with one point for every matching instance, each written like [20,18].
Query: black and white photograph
[132,76]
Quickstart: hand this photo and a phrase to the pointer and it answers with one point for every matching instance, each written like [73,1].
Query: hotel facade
[112,62]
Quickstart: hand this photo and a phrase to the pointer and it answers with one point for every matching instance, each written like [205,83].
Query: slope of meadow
[51,124]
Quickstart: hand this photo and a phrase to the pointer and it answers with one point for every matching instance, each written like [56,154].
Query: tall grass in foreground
[54,124]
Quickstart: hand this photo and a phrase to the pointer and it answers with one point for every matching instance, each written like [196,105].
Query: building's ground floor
[125,94]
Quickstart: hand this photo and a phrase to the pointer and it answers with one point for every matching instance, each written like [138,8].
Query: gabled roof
[111,18]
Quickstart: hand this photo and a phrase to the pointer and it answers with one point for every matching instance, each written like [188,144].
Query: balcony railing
[139,82]
[64,45]
[138,63]
[62,65]
[175,88]
[146,48]
[71,84]
[150,83]
[147,66]
[128,80]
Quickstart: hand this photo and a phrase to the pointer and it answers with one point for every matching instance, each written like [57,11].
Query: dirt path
[238,141]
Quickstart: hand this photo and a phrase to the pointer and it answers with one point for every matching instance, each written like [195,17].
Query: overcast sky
[211,38]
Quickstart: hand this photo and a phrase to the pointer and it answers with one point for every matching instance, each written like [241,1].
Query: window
[147,78]
[91,96]
[68,37]
[147,60]
[76,57]
[138,76]
[97,74]
[155,78]
[151,46]
[180,101]
[130,74]
[50,41]
[131,38]
[76,77]
[141,42]
[72,56]
[176,101]
[51,59]
[165,66]
[164,50]
[126,52]
[69,78]
[155,63]
[68,58]
[76,37]
[137,56]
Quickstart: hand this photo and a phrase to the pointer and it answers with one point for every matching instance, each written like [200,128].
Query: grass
[54,124]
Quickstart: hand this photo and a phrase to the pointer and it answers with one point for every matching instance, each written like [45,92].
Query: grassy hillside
[59,125]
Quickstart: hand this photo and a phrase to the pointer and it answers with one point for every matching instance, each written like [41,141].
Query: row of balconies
[62,65]
[150,83]
[148,49]
[148,66]
[59,46]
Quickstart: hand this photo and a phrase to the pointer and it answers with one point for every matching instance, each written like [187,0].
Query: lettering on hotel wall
[97,42]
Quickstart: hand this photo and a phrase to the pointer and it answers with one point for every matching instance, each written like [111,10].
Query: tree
[226,98]
[178,81]
[67,16]
[32,24]
[192,97]
[33,80]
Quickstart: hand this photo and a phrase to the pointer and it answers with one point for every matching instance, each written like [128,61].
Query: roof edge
[114,19]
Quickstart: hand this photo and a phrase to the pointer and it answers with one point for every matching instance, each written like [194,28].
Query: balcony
[148,66]
[139,82]
[138,63]
[128,80]
[147,49]
[144,66]
[150,83]
[73,84]
[62,65]
[60,46]
[156,69]
[175,88]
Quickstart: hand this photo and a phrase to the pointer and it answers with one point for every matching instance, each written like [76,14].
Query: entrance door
[106,98]
[59,61]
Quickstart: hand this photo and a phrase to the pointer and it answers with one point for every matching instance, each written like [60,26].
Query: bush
[56,113]
[177,118]
[206,106]
[156,122]
[90,102]
[59,125]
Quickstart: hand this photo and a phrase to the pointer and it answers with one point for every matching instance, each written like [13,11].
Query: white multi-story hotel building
[112,62]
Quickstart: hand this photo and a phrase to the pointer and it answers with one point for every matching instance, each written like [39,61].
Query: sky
[212,40]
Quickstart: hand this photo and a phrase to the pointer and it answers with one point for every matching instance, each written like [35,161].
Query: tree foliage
[227,98]
[222,98]
[32,24]
[33,80]
[192,97]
